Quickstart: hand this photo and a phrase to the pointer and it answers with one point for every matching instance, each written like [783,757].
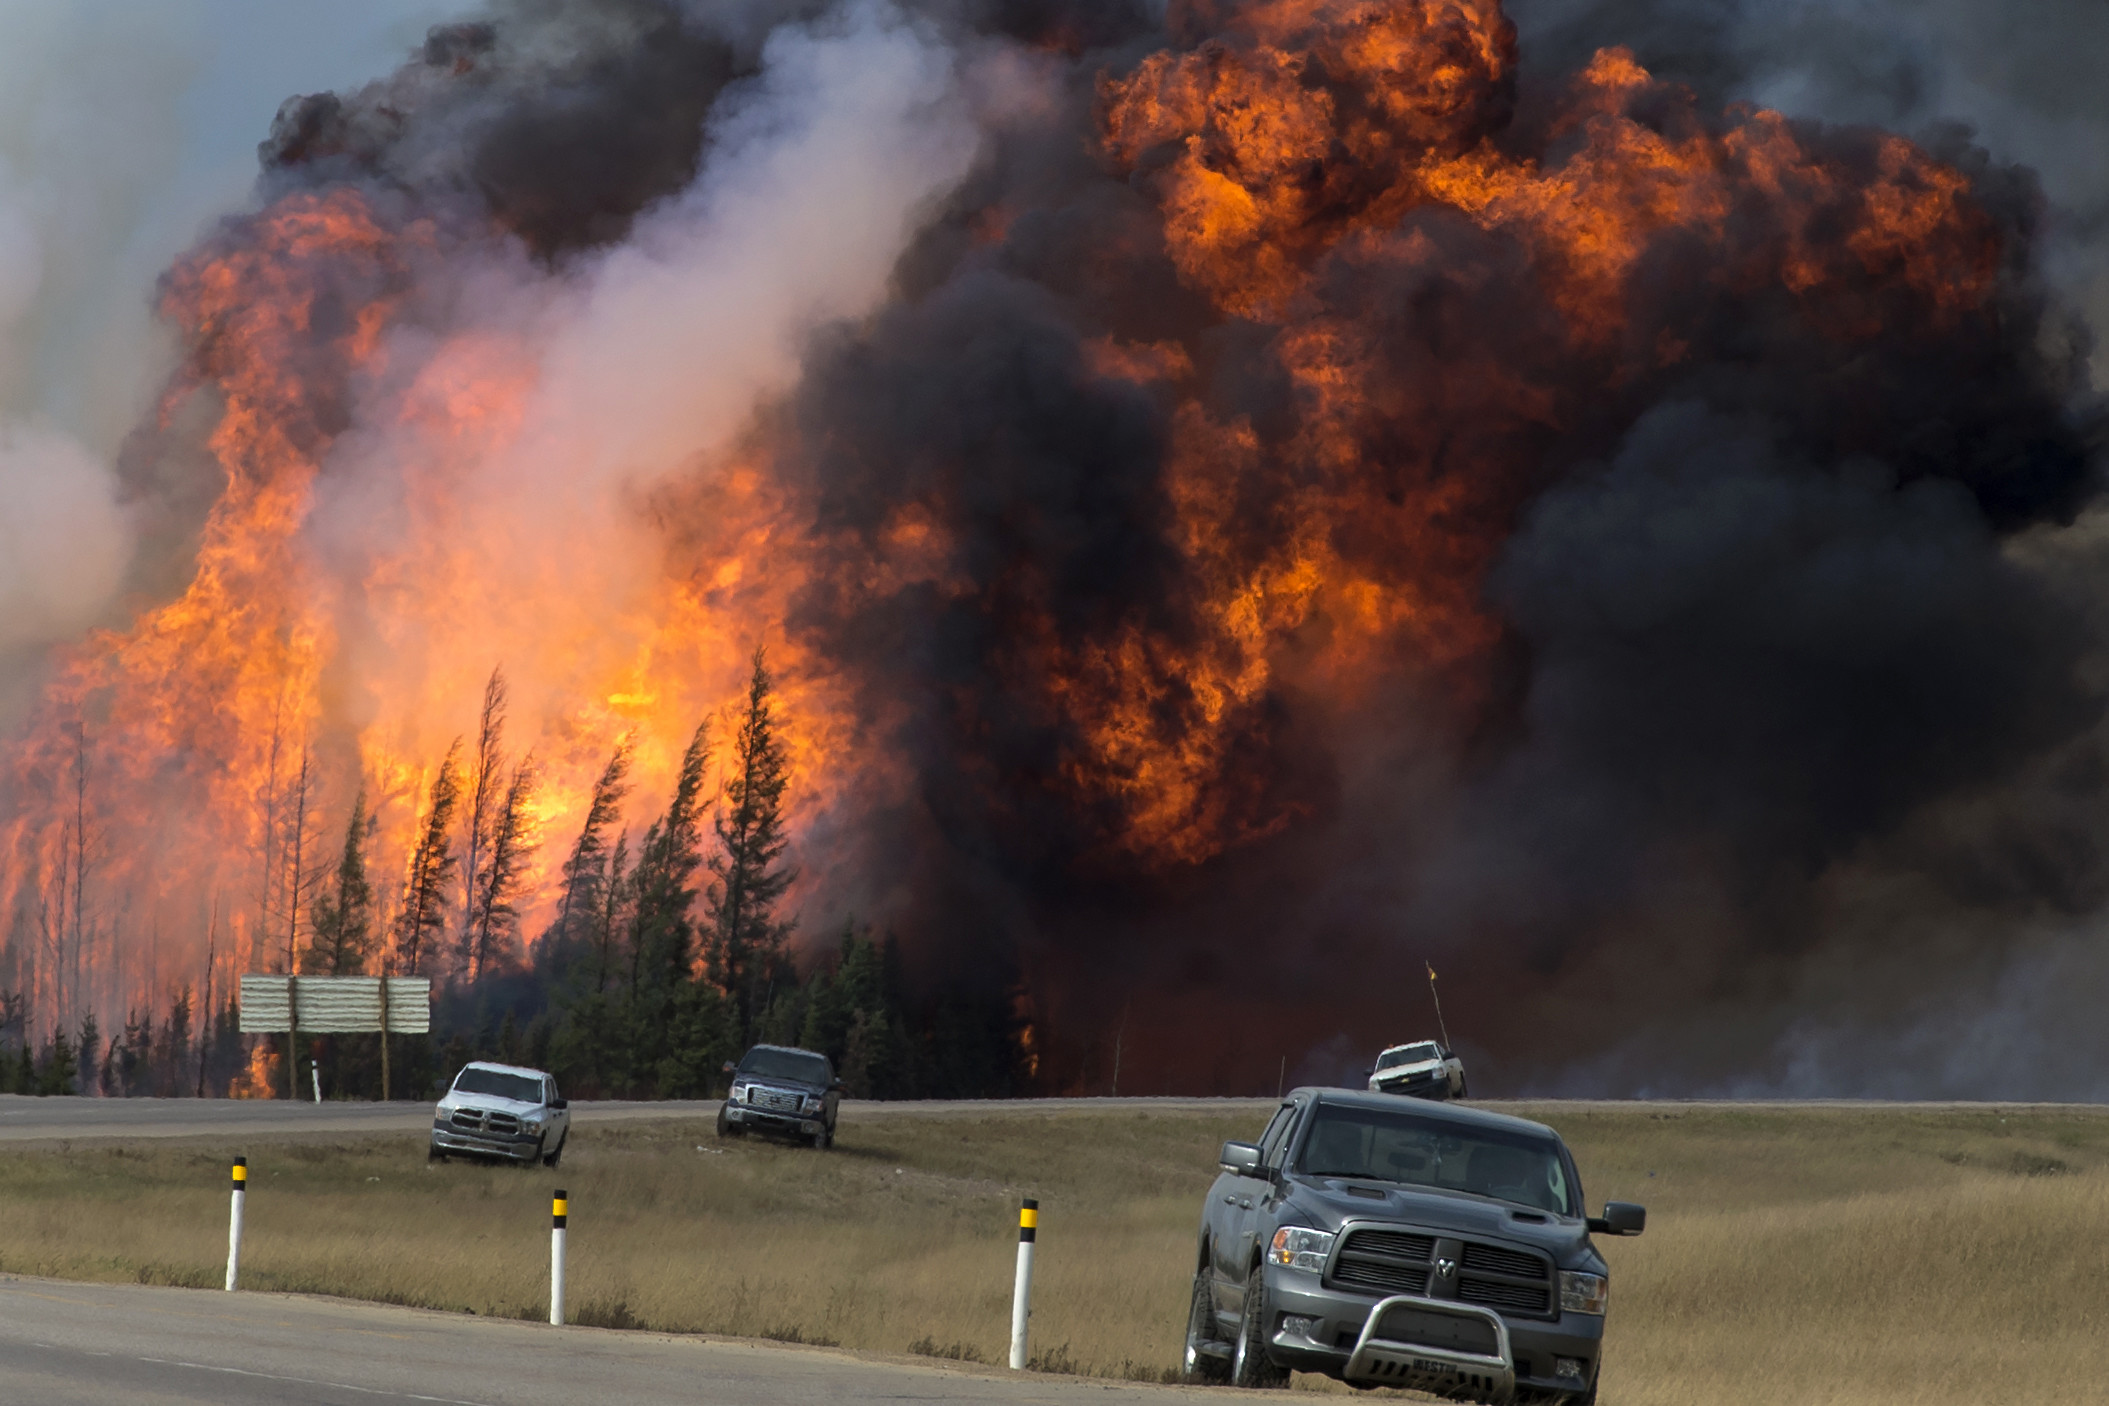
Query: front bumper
[1433,1083]
[765,1120]
[1341,1341]
[520,1147]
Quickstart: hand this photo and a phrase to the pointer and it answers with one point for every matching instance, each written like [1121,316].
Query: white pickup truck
[1423,1069]
[500,1110]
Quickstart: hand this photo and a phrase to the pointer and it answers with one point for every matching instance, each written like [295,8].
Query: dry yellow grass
[1794,1255]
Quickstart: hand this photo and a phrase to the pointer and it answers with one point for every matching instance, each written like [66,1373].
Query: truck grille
[1509,1280]
[772,1100]
[475,1120]
[1495,1294]
[1385,1260]
[1500,1261]
[1400,1262]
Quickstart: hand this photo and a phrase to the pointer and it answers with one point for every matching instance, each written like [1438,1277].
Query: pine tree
[432,862]
[343,925]
[746,940]
[15,1076]
[674,1022]
[585,870]
[493,922]
[663,941]
[166,1069]
[300,881]
[57,1067]
[89,1054]
[616,893]
[130,1053]
[483,783]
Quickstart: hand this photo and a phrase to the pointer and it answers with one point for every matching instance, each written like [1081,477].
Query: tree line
[668,953]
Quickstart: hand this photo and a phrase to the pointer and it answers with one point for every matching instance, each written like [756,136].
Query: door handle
[1230,1200]
[1245,1204]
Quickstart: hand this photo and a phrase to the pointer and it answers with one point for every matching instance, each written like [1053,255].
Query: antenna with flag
[1437,997]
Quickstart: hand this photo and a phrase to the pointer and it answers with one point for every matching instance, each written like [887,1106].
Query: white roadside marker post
[315,1072]
[1022,1291]
[234,1221]
[559,1212]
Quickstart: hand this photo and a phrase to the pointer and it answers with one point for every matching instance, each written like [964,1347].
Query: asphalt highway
[67,1344]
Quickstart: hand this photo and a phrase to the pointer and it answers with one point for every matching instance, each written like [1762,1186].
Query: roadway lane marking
[310,1381]
[8,1288]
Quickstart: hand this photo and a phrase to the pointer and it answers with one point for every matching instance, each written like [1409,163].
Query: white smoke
[621,371]
[63,539]
[125,127]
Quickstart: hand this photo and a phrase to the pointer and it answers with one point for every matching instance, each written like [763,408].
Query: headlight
[1301,1249]
[814,1103]
[1584,1293]
[739,1092]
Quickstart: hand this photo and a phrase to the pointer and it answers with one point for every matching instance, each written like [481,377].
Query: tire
[1202,1368]
[728,1128]
[538,1151]
[1464,1090]
[558,1155]
[1249,1366]
[824,1139]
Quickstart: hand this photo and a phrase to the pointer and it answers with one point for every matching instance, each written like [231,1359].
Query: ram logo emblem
[1444,1268]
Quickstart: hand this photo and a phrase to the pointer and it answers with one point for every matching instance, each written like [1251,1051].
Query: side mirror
[1243,1158]
[560,1103]
[730,1068]
[1619,1218]
[838,1086]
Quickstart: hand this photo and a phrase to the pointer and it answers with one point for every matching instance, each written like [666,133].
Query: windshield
[489,1081]
[795,1065]
[1405,1054]
[1385,1146]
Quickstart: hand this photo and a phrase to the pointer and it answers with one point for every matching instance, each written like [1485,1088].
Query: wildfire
[1300,156]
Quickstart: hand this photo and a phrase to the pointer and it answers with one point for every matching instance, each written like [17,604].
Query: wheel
[558,1155]
[728,1128]
[824,1139]
[1200,1365]
[538,1151]
[1248,1361]
[1464,1090]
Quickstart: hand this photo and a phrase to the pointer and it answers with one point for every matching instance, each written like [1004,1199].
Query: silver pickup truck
[1402,1244]
[501,1110]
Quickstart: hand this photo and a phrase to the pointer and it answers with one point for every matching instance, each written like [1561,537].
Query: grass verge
[1821,1255]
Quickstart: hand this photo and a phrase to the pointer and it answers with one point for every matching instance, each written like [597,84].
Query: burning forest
[1153,523]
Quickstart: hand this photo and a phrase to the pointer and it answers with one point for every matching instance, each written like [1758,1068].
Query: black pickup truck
[1386,1244]
[784,1092]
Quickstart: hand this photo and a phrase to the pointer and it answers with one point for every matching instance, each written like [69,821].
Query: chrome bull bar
[1380,1360]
